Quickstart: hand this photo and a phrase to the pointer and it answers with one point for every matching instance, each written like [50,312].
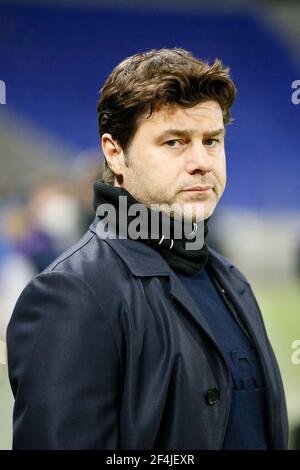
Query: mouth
[198,189]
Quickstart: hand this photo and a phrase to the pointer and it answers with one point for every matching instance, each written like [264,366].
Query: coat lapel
[239,292]
[183,297]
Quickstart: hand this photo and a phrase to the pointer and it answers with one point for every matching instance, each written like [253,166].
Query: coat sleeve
[64,367]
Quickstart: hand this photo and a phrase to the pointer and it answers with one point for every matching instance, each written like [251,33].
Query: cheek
[224,175]
[221,171]
[159,170]
[144,174]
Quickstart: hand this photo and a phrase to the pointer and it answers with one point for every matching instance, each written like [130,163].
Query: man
[135,338]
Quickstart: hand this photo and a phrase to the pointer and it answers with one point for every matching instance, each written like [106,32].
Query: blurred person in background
[32,234]
[45,225]
[53,222]
[139,342]
[84,171]
[15,272]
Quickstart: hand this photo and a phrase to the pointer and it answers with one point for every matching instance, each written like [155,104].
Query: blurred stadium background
[54,57]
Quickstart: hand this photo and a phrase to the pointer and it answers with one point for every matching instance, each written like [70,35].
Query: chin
[209,212]
[199,212]
[192,211]
[195,210]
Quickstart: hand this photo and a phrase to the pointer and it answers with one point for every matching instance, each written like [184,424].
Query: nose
[198,159]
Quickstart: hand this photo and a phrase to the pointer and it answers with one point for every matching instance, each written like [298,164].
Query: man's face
[177,157]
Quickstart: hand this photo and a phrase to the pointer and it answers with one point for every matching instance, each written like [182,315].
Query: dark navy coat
[107,350]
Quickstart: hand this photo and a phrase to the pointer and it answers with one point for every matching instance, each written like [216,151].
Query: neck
[181,244]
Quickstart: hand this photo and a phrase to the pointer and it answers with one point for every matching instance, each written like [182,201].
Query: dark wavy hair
[145,82]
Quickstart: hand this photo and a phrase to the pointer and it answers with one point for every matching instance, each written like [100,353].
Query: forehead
[206,115]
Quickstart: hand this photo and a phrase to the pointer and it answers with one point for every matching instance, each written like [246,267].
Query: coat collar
[152,263]
[144,261]
[141,260]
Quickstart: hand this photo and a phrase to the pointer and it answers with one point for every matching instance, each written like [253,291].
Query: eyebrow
[185,132]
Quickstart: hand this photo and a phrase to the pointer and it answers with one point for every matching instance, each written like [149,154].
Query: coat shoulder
[91,260]
[89,273]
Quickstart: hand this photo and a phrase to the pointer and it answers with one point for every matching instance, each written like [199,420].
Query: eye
[210,142]
[175,143]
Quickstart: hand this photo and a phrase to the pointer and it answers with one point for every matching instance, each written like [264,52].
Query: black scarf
[166,242]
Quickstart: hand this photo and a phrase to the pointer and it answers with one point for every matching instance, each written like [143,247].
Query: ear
[114,154]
